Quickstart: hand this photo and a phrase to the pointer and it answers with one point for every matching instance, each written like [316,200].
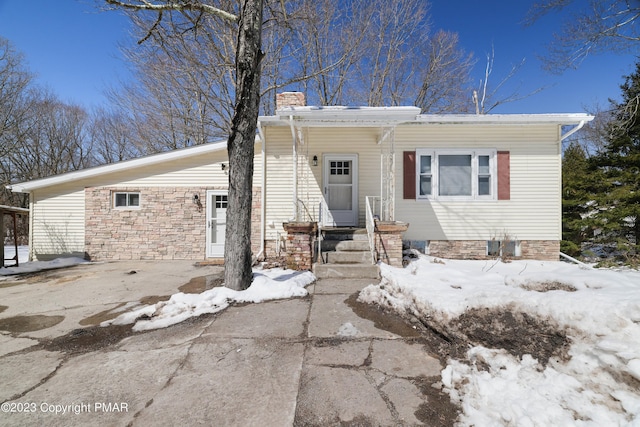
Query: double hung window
[456,174]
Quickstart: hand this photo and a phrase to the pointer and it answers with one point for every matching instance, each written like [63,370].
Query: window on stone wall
[124,200]
[503,248]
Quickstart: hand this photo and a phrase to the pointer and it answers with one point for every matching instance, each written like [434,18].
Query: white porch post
[387,174]
[295,168]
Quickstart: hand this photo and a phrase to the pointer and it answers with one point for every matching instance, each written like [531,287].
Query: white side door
[340,187]
[216,222]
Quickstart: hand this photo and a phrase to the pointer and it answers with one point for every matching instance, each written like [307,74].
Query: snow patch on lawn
[596,383]
[267,285]
[33,267]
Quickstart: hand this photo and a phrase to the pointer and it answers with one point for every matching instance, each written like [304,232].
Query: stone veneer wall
[477,249]
[389,248]
[168,225]
[546,250]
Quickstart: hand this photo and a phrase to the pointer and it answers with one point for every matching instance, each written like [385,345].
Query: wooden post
[1,238]
[15,237]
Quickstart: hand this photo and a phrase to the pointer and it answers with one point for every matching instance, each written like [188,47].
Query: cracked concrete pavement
[313,361]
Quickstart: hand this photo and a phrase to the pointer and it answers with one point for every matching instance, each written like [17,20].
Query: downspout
[295,170]
[562,138]
[263,191]
[572,131]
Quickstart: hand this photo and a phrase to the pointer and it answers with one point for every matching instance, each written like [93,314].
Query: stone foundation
[546,250]
[166,226]
[458,249]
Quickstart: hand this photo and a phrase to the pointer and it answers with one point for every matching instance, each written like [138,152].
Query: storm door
[340,178]
[216,222]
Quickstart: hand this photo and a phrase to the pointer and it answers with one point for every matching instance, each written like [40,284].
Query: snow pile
[34,266]
[599,310]
[267,285]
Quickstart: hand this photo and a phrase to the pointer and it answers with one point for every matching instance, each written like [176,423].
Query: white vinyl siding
[534,209]
[58,223]
[316,142]
[59,211]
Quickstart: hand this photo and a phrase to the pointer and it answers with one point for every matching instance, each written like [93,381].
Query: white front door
[216,222]
[340,178]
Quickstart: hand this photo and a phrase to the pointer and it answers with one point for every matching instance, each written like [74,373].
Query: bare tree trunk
[237,248]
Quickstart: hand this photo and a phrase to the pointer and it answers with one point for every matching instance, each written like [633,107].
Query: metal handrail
[304,210]
[370,222]
[320,237]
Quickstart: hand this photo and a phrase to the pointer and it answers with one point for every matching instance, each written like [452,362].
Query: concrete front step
[347,257]
[345,236]
[345,245]
[365,271]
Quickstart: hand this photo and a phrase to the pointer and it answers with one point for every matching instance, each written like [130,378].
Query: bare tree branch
[601,26]
[179,6]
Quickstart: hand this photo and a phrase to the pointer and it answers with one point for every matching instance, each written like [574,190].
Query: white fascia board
[336,116]
[553,118]
[198,150]
[389,116]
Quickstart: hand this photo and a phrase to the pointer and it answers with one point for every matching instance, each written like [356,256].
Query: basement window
[122,200]
[503,248]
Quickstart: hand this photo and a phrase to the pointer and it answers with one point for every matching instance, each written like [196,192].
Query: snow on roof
[381,116]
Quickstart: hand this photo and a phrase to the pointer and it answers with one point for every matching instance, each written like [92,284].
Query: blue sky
[73,48]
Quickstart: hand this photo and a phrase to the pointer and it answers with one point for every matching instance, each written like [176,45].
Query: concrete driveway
[321,360]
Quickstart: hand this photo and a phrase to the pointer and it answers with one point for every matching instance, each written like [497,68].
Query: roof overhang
[392,116]
[13,209]
[183,153]
[337,116]
[505,119]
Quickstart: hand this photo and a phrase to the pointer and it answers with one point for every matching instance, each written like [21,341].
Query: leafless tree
[327,44]
[489,95]
[444,81]
[49,139]
[594,137]
[245,19]
[110,136]
[594,26]
[15,81]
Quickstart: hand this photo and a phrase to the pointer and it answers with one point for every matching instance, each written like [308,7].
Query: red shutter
[409,173]
[504,175]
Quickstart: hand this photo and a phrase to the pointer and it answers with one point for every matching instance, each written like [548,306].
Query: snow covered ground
[598,383]
[31,267]
[595,383]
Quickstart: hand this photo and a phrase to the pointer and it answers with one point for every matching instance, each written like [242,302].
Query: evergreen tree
[576,199]
[618,214]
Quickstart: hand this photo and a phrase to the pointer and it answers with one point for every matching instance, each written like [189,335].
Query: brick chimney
[290,99]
